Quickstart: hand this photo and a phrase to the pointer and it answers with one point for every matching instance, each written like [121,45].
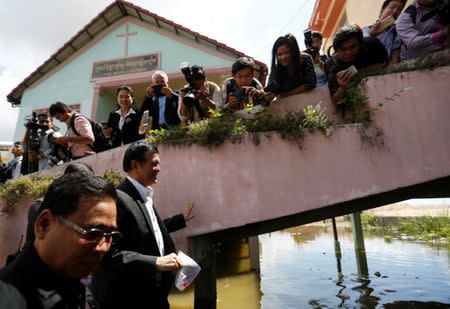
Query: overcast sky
[31,31]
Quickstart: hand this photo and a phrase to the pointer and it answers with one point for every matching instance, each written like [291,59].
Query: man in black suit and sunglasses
[138,271]
[74,229]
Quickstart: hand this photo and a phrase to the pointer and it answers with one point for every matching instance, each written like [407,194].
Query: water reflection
[299,270]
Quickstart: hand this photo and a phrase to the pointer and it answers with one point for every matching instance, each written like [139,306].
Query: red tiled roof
[111,14]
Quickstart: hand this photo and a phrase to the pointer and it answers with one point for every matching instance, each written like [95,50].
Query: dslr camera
[157,90]
[313,51]
[58,154]
[191,74]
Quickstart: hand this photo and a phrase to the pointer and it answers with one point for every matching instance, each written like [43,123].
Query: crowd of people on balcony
[398,35]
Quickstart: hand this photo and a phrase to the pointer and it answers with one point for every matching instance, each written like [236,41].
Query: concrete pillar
[253,245]
[358,238]
[204,252]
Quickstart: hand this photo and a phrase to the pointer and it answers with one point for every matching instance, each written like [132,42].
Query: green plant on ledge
[225,125]
[23,187]
[356,104]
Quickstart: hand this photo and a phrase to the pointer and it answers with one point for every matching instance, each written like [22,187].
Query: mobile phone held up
[145,118]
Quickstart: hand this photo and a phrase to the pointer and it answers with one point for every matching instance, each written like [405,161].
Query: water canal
[299,270]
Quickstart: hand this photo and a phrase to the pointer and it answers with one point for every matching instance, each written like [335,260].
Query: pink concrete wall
[238,184]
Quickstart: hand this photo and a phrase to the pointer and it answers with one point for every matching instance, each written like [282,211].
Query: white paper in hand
[187,273]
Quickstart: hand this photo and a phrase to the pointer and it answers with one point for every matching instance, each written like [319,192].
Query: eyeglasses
[93,235]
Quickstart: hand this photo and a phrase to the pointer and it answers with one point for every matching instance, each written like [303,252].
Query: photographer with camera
[38,144]
[384,28]
[424,28]
[161,102]
[243,88]
[79,137]
[313,43]
[198,96]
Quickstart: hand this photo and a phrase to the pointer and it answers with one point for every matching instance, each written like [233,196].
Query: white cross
[126,34]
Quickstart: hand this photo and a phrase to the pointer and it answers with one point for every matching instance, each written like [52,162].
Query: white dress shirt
[147,195]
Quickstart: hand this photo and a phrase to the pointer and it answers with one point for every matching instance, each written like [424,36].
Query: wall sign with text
[124,66]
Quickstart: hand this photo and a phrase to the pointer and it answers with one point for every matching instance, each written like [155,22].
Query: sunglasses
[93,235]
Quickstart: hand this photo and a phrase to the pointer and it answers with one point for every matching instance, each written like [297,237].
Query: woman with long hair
[292,72]
[123,123]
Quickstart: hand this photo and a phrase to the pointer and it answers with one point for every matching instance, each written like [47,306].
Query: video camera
[32,123]
[191,74]
[442,9]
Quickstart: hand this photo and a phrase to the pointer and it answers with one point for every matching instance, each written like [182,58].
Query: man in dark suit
[138,272]
[161,102]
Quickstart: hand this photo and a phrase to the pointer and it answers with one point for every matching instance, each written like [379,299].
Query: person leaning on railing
[352,49]
[291,72]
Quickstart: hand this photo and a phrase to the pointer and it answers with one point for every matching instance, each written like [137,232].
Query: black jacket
[130,129]
[171,113]
[127,277]
[39,285]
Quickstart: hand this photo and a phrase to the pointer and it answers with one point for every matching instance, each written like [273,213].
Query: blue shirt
[388,38]
[162,109]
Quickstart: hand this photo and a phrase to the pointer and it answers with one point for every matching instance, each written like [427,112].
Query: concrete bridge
[243,189]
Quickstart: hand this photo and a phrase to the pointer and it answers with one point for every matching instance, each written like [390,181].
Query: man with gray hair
[161,102]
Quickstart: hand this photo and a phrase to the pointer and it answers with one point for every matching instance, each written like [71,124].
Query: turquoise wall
[71,84]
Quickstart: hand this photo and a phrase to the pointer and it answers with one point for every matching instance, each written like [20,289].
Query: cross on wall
[126,34]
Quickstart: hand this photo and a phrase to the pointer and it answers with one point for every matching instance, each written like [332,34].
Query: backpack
[412,11]
[101,143]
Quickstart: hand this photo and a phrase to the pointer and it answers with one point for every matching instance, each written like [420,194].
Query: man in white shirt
[79,137]
[138,272]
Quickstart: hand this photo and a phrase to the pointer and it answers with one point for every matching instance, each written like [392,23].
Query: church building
[123,45]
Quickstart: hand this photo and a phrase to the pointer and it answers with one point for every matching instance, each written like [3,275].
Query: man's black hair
[18,143]
[242,63]
[346,33]
[316,34]
[386,3]
[65,193]
[79,167]
[137,151]
[58,108]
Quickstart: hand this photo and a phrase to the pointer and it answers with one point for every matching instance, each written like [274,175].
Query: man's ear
[43,223]
[134,164]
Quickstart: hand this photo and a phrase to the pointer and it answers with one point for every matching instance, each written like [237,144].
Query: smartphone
[352,70]
[145,118]
[388,21]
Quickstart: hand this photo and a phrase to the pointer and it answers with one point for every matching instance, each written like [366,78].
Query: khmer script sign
[123,66]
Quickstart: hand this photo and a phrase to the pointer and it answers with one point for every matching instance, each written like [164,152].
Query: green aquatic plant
[427,227]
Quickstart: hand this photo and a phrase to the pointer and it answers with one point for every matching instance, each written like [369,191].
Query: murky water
[299,270]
